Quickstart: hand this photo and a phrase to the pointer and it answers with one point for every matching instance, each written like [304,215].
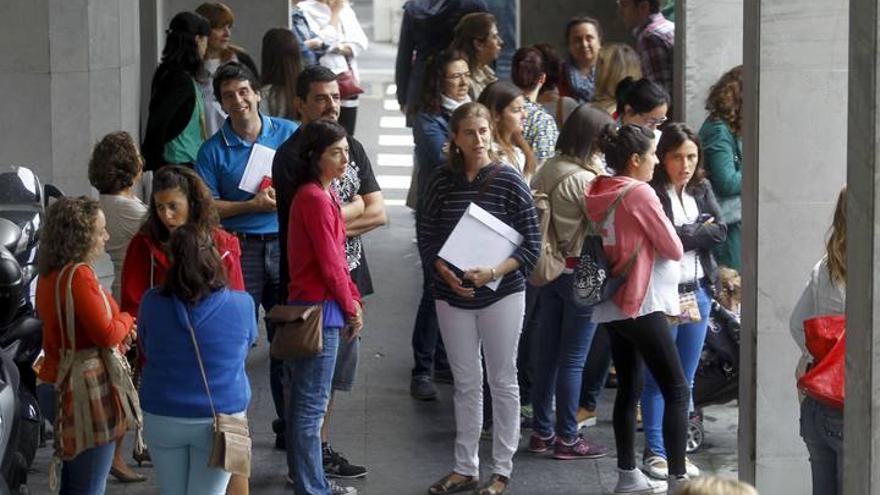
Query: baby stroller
[717,377]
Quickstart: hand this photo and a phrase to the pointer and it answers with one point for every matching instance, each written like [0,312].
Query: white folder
[478,240]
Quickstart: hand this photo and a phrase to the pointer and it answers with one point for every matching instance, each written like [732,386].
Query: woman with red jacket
[318,276]
[179,197]
[641,244]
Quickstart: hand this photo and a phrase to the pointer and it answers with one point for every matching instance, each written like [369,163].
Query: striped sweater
[501,191]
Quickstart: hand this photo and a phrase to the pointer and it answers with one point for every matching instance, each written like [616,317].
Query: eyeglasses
[459,76]
[655,121]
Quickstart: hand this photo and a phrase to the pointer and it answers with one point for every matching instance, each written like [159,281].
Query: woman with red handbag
[817,325]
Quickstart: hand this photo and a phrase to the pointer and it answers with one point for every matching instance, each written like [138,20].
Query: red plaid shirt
[655,41]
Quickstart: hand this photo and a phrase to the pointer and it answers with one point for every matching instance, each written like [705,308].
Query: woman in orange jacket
[72,239]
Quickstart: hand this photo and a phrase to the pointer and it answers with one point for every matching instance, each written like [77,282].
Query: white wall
[795,159]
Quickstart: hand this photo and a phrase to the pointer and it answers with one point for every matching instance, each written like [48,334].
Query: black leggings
[632,341]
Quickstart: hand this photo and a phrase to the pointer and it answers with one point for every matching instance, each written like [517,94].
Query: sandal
[448,485]
[496,485]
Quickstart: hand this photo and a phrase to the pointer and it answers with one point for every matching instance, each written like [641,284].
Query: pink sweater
[638,223]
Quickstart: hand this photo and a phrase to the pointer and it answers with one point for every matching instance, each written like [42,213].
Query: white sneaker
[337,489]
[655,467]
[635,482]
[692,470]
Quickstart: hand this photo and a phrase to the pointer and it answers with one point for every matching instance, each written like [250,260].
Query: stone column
[794,153]
[861,438]
[708,41]
[71,71]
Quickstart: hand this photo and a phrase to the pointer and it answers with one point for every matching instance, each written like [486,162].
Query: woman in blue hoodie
[178,412]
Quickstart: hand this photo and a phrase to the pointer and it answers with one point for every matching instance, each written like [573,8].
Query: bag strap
[192,334]
[582,226]
[618,200]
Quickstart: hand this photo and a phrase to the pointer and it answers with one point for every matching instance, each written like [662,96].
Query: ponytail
[620,144]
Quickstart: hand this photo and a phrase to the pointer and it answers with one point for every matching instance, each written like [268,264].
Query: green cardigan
[722,154]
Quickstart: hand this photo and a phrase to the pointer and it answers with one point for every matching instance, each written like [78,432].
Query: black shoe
[337,466]
[421,387]
[280,442]
[278,429]
[443,376]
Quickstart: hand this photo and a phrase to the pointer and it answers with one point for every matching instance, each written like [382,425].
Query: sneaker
[585,417]
[692,470]
[579,449]
[421,387]
[539,444]
[674,483]
[443,376]
[655,467]
[634,482]
[337,489]
[337,466]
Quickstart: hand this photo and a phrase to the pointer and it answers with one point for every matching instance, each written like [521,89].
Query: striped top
[501,191]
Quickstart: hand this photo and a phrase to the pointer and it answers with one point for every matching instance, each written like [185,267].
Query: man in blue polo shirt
[234,164]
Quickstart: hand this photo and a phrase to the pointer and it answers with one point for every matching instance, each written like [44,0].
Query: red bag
[349,86]
[826,341]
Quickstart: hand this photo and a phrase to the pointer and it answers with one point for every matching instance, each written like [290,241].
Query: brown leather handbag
[231,450]
[298,331]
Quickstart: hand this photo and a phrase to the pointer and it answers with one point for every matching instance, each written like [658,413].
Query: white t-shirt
[685,211]
[662,294]
[124,218]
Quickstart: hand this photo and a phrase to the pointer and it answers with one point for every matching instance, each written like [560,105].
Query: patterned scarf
[582,87]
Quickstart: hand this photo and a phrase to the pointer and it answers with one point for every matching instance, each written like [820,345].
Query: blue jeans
[428,351]
[180,448]
[260,262]
[309,386]
[562,344]
[86,474]
[689,340]
[596,368]
[822,431]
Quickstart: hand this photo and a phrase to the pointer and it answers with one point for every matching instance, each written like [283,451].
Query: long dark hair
[196,267]
[475,26]
[316,137]
[578,137]
[435,75]
[496,97]
[674,135]
[202,213]
[281,63]
[181,48]
[621,144]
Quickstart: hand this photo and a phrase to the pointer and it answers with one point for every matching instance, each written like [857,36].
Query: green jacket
[722,154]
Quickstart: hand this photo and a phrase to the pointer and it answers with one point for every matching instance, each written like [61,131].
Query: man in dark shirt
[317,97]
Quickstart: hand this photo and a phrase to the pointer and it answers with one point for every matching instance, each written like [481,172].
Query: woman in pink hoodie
[642,244]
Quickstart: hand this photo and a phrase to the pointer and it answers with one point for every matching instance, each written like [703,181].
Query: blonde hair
[615,62]
[835,248]
[713,485]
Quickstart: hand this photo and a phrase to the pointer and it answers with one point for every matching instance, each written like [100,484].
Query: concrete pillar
[73,76]
[708,41]
[387,16]
[795,56]
[861,437]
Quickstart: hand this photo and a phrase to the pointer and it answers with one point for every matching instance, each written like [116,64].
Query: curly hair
[725,99]
[115,163]
[202,212]
[68,236]
[435,75]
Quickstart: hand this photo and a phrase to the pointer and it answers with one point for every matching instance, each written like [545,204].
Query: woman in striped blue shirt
[469,313]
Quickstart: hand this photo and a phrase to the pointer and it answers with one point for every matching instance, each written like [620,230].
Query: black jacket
[700,236]
[172,100]
[426,30]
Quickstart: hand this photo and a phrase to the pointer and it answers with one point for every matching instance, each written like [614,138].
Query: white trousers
[497,328]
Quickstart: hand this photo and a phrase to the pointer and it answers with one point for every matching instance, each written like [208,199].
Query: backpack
[593,282]
[550,262]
